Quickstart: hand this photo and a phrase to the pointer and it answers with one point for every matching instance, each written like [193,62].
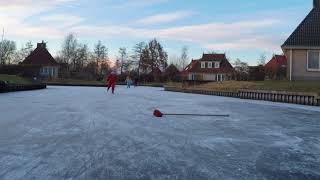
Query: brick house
[211,67]
[302,48]
[276,68]
[42,62]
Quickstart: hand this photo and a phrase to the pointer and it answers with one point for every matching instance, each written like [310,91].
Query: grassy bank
[297,86]
[13,79]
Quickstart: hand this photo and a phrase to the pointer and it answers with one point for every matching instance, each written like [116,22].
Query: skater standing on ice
[128,81]
[111,80]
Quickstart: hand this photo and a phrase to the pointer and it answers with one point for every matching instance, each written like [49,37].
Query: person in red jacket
[111,80]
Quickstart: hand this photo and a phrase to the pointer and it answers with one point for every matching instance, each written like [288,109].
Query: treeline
[9,54]
[146,60]
[77,60]
[244,72]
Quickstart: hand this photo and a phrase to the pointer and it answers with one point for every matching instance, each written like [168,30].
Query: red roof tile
[186,69]
[277,60]
[213,57]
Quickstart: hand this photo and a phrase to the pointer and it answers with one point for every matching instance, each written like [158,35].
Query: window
[50,71]
[193,77]
[218,77]
[203,65]
[217,65]
[209,64]
[314,60]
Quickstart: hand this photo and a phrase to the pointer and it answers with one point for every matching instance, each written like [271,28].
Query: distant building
[211,67]
[302,48]
[276,68]
[41,61]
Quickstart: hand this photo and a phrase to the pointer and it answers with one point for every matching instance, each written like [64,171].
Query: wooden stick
[212,115]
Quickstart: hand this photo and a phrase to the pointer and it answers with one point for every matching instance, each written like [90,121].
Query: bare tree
[24,52]
[75,54]
[241,66]
[137,54]
[7,51]
[100,54]
[123,58]
[145,59]
[184,57]
[69,49]
[175,60]
[241,70]
[82,56]
[262,60]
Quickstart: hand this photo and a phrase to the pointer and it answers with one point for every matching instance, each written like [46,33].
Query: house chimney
[316,4]
[42,45]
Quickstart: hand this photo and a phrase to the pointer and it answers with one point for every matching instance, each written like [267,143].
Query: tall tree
[145,59]
[123,58]
[7,50]
[82,56]
[69,49]
[137,54]
[158,57]
[184,57]
[100,54]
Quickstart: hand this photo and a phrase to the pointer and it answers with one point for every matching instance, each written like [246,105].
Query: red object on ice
[157,113]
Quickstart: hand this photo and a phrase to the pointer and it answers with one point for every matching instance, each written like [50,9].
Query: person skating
[111,80]
[128,81]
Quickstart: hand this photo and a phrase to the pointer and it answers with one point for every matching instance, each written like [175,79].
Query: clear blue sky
[241,28]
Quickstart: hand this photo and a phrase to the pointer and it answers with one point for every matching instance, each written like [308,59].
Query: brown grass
[297,86]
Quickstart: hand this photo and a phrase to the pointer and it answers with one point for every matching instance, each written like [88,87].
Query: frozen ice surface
[87,133]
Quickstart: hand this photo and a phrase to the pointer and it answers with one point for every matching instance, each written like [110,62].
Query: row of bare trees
[144,58]
[78,55]
[9,54]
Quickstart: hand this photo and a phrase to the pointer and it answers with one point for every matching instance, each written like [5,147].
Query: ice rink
[87,133]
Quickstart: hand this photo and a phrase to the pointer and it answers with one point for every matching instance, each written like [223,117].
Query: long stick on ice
[158,113]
